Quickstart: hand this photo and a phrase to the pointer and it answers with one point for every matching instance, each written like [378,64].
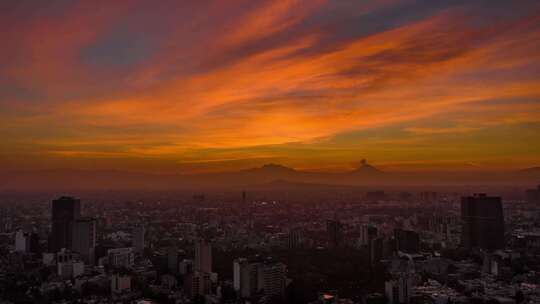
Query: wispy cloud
[173,80]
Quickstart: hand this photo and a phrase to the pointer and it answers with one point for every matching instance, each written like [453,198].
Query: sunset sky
[189,86]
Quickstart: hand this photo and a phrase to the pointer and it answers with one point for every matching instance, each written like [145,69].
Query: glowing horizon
[317,85]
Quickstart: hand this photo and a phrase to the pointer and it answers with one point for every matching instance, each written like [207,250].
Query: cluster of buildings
[484,270]
[374,247]
[255,277]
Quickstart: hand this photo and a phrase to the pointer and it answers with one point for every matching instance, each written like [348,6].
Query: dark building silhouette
[367,233]
[34,243]
[334,230]
[482,222]
[407,241]
[84,238]
[389,248]
[64,211]
[294,238]
[376,250]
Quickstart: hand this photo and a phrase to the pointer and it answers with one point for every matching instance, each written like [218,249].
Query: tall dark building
[367,233]
[64,211]
[482,222]
[376,250]
[407,241]
[334,230]
[84,238]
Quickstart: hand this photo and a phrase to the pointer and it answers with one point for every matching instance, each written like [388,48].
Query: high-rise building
[35,247]
[64,211]
[274,276]
[389,248]
[482,222]
[295,238]
[254,275]
[407,241]
[22,241]
[376,247]
[334,230]
[367,233]
[84,239]
[246,277]
[138,238]
[203,256]
[172,259]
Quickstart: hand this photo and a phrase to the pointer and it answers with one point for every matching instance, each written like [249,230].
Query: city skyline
[270,152]
[198,86]
[345,247]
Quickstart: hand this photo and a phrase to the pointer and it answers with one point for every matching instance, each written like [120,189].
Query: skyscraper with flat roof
[407,241]
[64,211]
[274,278]
[246,277]
[22,241]
[367,233]
[334,231]
[138,234]
[482,222]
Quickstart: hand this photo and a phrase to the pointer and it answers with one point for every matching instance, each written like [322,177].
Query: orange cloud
[255,85]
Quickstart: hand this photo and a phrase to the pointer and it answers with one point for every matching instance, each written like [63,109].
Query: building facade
[482,222]
[64,211]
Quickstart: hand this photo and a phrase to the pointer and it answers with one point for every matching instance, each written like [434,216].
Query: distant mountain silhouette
[366,168]
[273,169]
[285,185]
[281,176]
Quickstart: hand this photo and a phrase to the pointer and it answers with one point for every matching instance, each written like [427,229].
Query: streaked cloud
[226,81]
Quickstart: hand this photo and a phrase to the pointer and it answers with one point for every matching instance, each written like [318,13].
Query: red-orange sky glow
[188,86]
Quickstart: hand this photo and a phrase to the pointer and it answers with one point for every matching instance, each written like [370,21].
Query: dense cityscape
[292,246]
[216,152]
